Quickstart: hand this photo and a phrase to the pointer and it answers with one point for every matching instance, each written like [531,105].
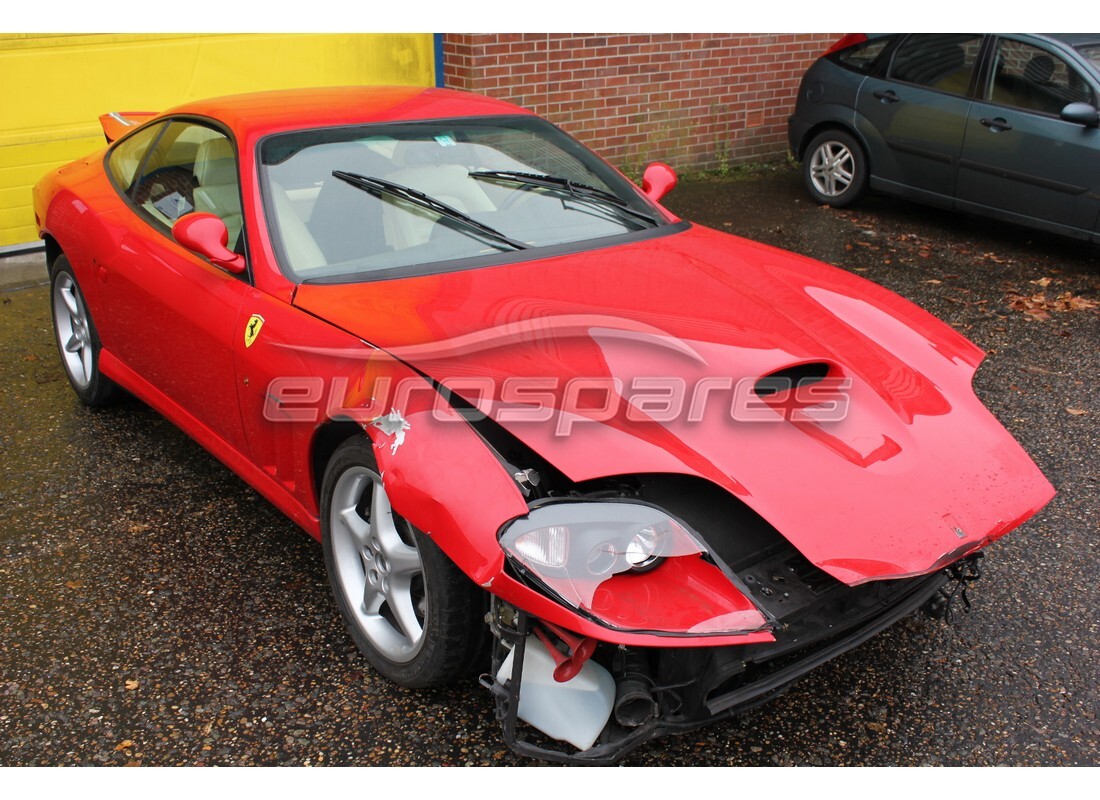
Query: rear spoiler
[118,123]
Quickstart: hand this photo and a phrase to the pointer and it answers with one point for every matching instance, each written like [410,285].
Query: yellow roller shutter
[54,87]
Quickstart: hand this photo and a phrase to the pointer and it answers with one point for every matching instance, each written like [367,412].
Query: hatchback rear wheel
[835,169]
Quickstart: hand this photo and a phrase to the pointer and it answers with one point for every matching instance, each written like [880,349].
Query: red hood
[917,472]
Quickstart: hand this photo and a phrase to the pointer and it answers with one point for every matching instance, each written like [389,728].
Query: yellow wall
[54,87]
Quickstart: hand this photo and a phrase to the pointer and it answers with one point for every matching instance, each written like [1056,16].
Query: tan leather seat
[299,246]
[217,190]
[448,183]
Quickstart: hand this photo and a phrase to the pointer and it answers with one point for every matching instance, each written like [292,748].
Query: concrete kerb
[22,270]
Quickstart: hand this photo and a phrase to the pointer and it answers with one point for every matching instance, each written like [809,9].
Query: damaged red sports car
[637,474]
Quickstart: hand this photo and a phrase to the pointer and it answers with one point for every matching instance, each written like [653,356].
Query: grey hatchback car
[1003,125]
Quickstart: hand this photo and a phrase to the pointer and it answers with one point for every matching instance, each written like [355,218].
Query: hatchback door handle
[997,124]
[888,96]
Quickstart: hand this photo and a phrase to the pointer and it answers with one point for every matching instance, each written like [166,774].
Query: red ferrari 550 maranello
[638,474]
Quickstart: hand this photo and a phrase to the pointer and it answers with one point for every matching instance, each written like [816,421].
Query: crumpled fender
[442,477]
[437,471]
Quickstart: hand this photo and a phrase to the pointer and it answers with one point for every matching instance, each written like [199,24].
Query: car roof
[1074,39]
[261,113]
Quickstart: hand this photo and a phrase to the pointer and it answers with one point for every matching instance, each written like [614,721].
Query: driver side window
[1028,77]
[191,168]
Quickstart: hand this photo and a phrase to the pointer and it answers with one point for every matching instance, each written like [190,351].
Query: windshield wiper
[379,187]
[574,189]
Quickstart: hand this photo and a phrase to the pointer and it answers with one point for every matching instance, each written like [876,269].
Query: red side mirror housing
[207,235]
[659,179]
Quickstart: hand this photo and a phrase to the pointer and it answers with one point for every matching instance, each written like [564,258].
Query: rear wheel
[77,340]
[415,616]
[835,169]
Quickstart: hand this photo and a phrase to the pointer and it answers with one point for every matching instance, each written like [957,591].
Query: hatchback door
[1019,158]
[914,118]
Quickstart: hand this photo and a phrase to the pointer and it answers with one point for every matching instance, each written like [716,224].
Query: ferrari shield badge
[252,329]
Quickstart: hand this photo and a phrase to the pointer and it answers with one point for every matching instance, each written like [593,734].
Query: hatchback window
[943,61]
[1029,77]
[863,57]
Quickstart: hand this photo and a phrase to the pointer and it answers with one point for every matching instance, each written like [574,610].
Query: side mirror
[207,235]
[659,179]
[1082,114]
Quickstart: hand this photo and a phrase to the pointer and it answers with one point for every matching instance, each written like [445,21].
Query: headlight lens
[591,556]
[596,539]
[544,547]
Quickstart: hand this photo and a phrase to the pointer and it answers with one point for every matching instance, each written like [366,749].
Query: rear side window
[125,157]
[1031,78]
[863,57]
[942,61]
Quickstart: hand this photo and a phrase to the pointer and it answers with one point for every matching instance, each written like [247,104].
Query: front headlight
[630,565]
[596,539]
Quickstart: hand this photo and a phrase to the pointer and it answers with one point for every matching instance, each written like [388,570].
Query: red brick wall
[695,100]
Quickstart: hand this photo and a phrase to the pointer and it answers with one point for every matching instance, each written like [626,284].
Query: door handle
[997,124]
[888,96]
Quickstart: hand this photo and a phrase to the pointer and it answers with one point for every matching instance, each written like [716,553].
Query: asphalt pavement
[154,610]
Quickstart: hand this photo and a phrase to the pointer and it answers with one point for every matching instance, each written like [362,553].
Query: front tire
[414,615]
[835,169]
[77,339]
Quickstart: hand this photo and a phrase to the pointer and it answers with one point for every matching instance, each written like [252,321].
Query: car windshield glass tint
[1091,52]
[327,228]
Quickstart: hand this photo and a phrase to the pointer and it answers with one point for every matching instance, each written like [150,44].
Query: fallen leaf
[1069,302]
[1044,282]
[74,584]
[1039,306]
[125,744]
[131,685]
[1077,412]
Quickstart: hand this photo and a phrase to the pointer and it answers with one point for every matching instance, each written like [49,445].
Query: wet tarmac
[154,610]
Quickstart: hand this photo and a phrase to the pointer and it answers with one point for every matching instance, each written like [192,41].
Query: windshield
[1091,52]
[347,203]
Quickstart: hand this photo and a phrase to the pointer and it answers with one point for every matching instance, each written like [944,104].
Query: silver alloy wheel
[378,571]
[832,168]
[73,334]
